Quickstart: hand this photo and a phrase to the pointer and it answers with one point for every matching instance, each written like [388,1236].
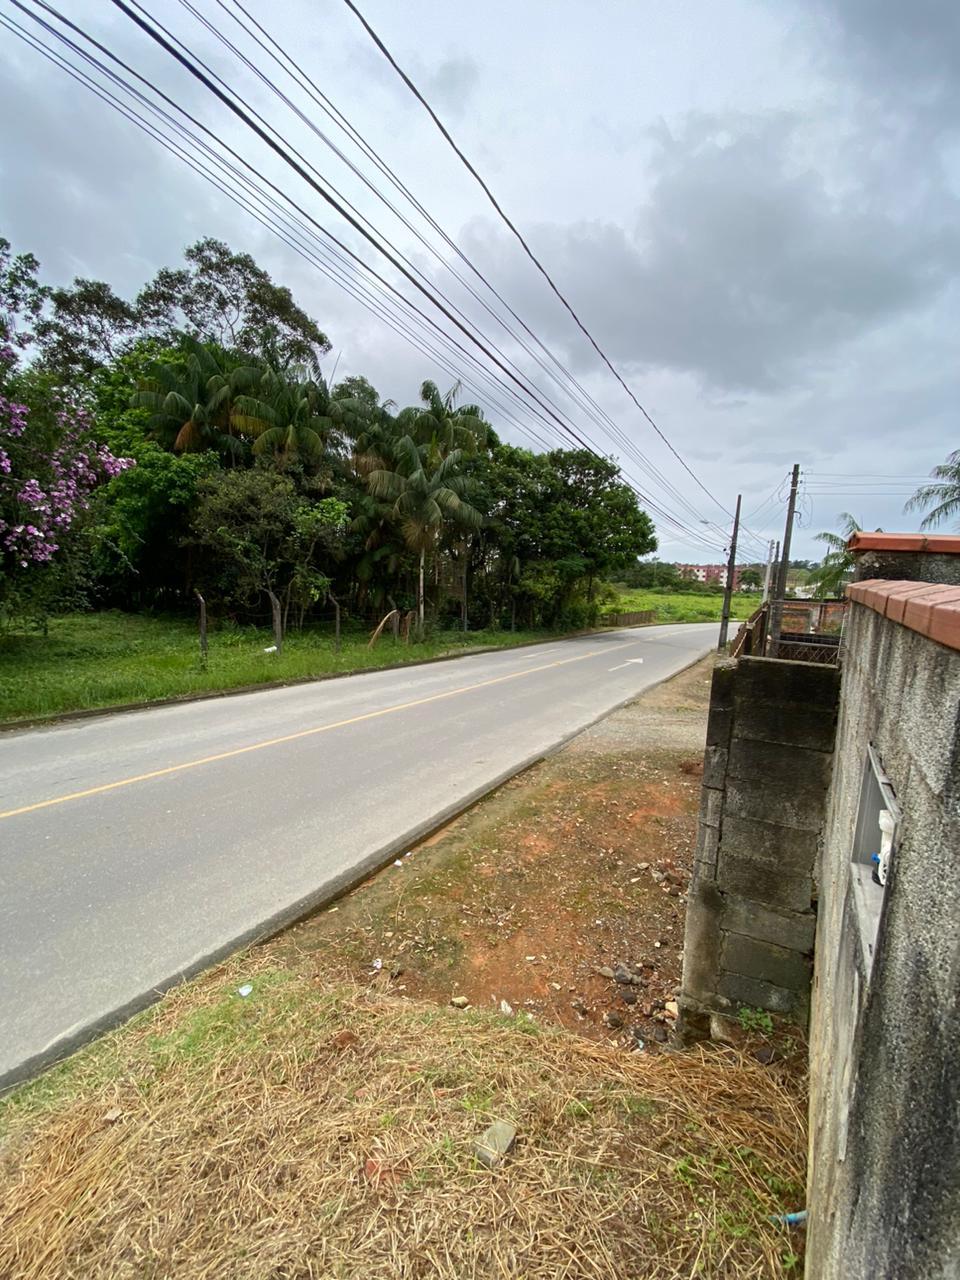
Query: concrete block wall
[884,1182]
[750,912]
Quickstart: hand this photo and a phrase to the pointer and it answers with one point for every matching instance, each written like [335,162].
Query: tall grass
[680,606]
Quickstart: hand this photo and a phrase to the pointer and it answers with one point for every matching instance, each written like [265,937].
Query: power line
[284,232]
[273,226]
[187,63]
[326,195]
[221,181]
[580,396]
[298,247]
[526,248]
[865,475]
[775,496]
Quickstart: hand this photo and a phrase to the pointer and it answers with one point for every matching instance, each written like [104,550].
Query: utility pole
[781,586]
[731,573]
[766,576]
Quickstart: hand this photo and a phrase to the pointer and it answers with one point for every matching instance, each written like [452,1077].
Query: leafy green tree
[359,390]
[750,578]
[365,420]
[141,520]
[424,498]
[22,302]
[944,494]
[515,489]
[225,297]
[651,575]
[256,535]
[595,519]
[89,326]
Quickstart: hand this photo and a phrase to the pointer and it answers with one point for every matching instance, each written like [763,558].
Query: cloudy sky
[752,207]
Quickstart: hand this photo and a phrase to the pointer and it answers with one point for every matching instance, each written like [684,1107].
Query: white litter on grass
[398,862]
[245,989]
[378,964]
[506,1008]
[271,648]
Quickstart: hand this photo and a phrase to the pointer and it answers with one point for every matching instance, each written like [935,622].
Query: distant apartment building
[709,573]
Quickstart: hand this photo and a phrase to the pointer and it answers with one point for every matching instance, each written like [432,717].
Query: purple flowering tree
[50,466]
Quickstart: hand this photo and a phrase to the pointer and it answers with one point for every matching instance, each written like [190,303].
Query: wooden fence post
[203,630]
[277,621]
[336,626]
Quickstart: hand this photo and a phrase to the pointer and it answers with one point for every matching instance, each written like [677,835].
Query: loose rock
[613,1020]
[495,1144]
[727,1031]
[624,975]
[459,1002]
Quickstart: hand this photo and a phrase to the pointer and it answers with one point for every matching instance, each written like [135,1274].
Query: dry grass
[318,1131]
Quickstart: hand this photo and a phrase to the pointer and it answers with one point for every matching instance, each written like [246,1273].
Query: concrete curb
[177,700]
[306,906]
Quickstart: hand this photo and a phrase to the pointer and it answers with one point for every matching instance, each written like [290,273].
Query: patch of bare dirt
[561,896]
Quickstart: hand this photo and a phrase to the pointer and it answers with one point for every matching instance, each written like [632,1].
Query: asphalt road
[136,848]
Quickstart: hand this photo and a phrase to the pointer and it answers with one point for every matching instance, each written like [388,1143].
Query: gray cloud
[742,267]
[450,84]
[906,55]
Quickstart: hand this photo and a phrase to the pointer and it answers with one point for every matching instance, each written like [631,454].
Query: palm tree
[424,497]
[194,402]
[442,426]
[288,418]
[830,576]
[375,434]
[946,493]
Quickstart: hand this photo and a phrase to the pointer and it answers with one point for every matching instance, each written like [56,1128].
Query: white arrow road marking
[625,664]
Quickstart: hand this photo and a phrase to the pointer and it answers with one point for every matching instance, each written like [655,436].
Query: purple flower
[55,488]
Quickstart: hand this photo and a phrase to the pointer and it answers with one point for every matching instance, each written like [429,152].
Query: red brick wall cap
[943,544]
[929,608]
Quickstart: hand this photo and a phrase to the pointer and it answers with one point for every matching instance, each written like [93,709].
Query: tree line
[190,442]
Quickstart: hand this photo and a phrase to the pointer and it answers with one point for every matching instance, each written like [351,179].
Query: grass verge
[318,1130]
[92,660]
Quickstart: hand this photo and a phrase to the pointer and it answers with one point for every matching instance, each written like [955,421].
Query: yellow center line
[293,737]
